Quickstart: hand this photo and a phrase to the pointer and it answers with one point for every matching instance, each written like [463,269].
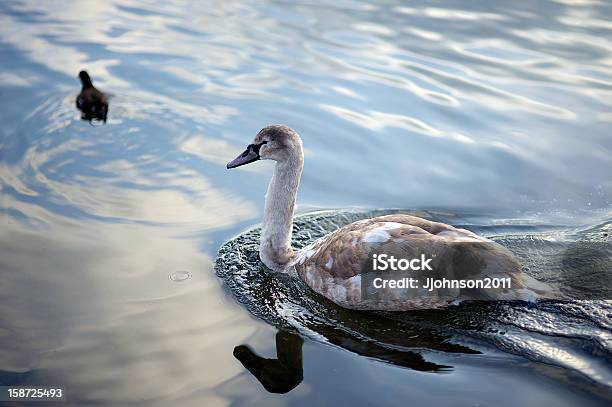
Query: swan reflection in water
[283,374]
[279,375]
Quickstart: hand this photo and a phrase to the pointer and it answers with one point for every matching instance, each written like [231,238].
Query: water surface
[110,232]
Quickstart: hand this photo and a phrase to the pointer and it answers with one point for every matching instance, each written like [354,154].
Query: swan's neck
[275,248]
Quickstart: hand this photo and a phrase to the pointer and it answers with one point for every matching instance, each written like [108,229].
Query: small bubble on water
[179,276]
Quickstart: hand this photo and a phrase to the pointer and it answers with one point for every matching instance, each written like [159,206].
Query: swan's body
[333,265]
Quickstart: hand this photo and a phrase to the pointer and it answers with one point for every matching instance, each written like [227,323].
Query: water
[110,232]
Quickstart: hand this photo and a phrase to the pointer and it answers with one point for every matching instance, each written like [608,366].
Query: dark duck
[91,102]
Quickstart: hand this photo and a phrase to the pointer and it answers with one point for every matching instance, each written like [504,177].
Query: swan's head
[277,142]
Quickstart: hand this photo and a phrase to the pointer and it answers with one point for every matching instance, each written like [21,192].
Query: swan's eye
[256,147]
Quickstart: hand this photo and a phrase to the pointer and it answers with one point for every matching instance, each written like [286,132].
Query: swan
[333,266]
[92,102]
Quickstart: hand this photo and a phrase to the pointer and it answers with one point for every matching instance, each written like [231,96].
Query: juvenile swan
[333,265]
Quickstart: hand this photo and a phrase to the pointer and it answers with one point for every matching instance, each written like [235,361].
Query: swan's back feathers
[343,252]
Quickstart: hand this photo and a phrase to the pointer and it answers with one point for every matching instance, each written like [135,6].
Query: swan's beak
[248,156]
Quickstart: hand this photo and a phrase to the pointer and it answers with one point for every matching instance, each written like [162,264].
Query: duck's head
[85,79]
[277,142]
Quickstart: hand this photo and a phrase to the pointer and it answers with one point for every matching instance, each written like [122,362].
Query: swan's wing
[343,252]
[333,265]
[476,257]
[337,266]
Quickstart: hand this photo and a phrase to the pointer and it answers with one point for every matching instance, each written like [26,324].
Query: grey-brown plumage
[335,266]
[91,102]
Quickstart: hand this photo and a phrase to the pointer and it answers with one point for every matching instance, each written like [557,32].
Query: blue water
[110,232]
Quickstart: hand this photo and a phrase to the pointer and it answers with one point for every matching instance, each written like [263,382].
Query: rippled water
[109,232]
